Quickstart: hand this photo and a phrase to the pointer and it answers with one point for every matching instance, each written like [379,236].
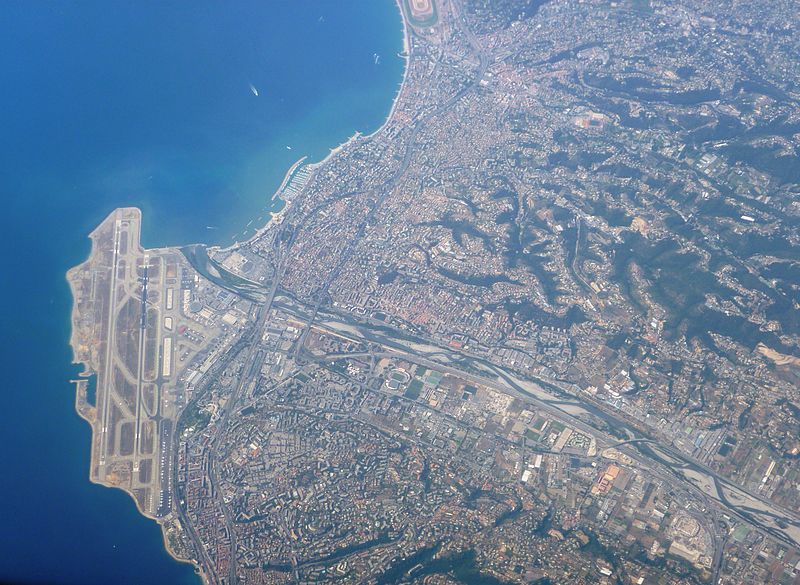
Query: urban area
[541,327]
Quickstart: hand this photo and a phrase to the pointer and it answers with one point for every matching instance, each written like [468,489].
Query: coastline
[357,135]
[406,56]
[82,359]
[88,412]
[273,215]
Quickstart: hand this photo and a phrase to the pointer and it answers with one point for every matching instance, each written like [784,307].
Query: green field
[414,389]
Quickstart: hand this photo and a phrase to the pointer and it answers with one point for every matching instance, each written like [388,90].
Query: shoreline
[357,134]
[406,56]
[85,413]
[273,215]
[314,166]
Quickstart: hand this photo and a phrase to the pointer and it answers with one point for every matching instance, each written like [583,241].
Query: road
[386,188]
[250,370]
[649,451]
[578,411]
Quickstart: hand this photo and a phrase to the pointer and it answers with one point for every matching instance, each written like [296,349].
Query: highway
[662,458]
[580,412]
[206,565]
[250,370]
[780,523]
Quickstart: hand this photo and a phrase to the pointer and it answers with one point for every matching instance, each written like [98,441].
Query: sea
[108,103]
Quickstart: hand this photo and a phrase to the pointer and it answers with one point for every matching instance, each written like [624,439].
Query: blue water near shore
[105,104]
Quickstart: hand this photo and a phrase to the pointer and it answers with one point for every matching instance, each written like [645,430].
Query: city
[541,327]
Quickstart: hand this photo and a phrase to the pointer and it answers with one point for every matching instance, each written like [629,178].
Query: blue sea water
[111,103]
